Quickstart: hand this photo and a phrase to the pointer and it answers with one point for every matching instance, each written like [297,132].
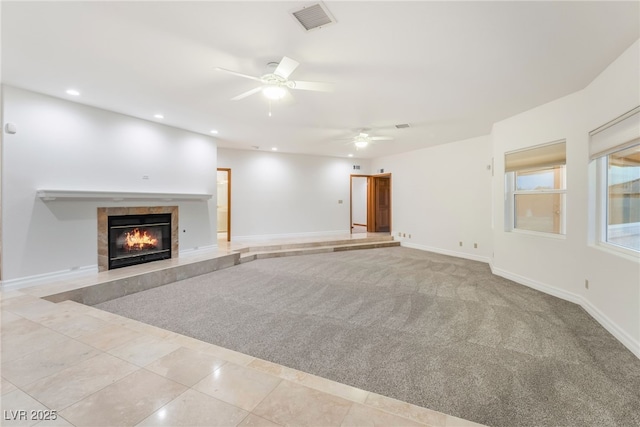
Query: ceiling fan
[363,139]
[275,83]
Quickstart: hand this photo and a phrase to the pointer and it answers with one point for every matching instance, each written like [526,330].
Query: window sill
[619,251]
[539,234]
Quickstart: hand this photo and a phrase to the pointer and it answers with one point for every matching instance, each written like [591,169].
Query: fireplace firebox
[137,239]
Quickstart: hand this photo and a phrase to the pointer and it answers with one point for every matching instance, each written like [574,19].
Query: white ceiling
[449,69]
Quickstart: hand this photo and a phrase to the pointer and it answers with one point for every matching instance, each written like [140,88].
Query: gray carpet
[436,331]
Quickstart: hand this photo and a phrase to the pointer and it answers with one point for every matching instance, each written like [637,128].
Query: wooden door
[378,203]
[382,185]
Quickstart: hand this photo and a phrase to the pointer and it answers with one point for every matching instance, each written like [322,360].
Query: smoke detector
[313,17]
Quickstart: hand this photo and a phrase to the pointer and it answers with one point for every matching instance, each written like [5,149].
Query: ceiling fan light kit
[274,92]
[276,81]
[361,143]
[363,139]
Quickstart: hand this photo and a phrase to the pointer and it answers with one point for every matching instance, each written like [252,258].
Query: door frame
[351,200]
[371,200]
[228,171]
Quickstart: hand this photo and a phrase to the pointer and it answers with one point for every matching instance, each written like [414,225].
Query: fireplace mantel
[116,196]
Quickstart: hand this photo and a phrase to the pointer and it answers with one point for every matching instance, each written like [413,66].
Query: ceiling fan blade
[247,93]
[315,86]
[235,73]
[381,138]
[286,67]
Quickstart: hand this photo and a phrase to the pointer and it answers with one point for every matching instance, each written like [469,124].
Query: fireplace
[136,239]
[135,235]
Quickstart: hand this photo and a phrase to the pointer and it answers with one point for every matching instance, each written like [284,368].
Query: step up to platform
[274,251]
[311,244]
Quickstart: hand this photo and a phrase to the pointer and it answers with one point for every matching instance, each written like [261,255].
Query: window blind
[552,154]
[620,133]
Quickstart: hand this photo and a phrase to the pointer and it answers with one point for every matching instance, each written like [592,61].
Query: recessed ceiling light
[73,92]
[350,155]
[213,131]
[274,148]
[158,116]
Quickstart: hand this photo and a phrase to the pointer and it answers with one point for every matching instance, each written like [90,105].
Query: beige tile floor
[86,367]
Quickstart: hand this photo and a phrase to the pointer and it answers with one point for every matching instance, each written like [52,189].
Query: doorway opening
[370,207]
[223,182]
[359,203]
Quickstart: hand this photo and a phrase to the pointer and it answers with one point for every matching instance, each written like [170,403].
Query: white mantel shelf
[116,196]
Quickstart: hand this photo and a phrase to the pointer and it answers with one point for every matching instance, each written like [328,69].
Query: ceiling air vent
[402,126]
[313,17]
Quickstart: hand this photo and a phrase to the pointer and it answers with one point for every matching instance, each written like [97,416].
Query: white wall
[359,200]
[441,196]
[560,266]
[66,145]
[279,195]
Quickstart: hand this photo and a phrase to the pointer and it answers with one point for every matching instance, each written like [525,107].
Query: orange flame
[137,240]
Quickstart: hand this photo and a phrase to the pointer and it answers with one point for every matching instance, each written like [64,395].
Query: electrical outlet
[409,235]
[404,234]
[399,234]
[586,284]
[460,243]
[475,246]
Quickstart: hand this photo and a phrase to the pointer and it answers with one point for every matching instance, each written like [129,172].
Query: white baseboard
[547,289]
[71,274]
[56,276]
[261,237]
[464,255]
[621,335]
[614,329]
